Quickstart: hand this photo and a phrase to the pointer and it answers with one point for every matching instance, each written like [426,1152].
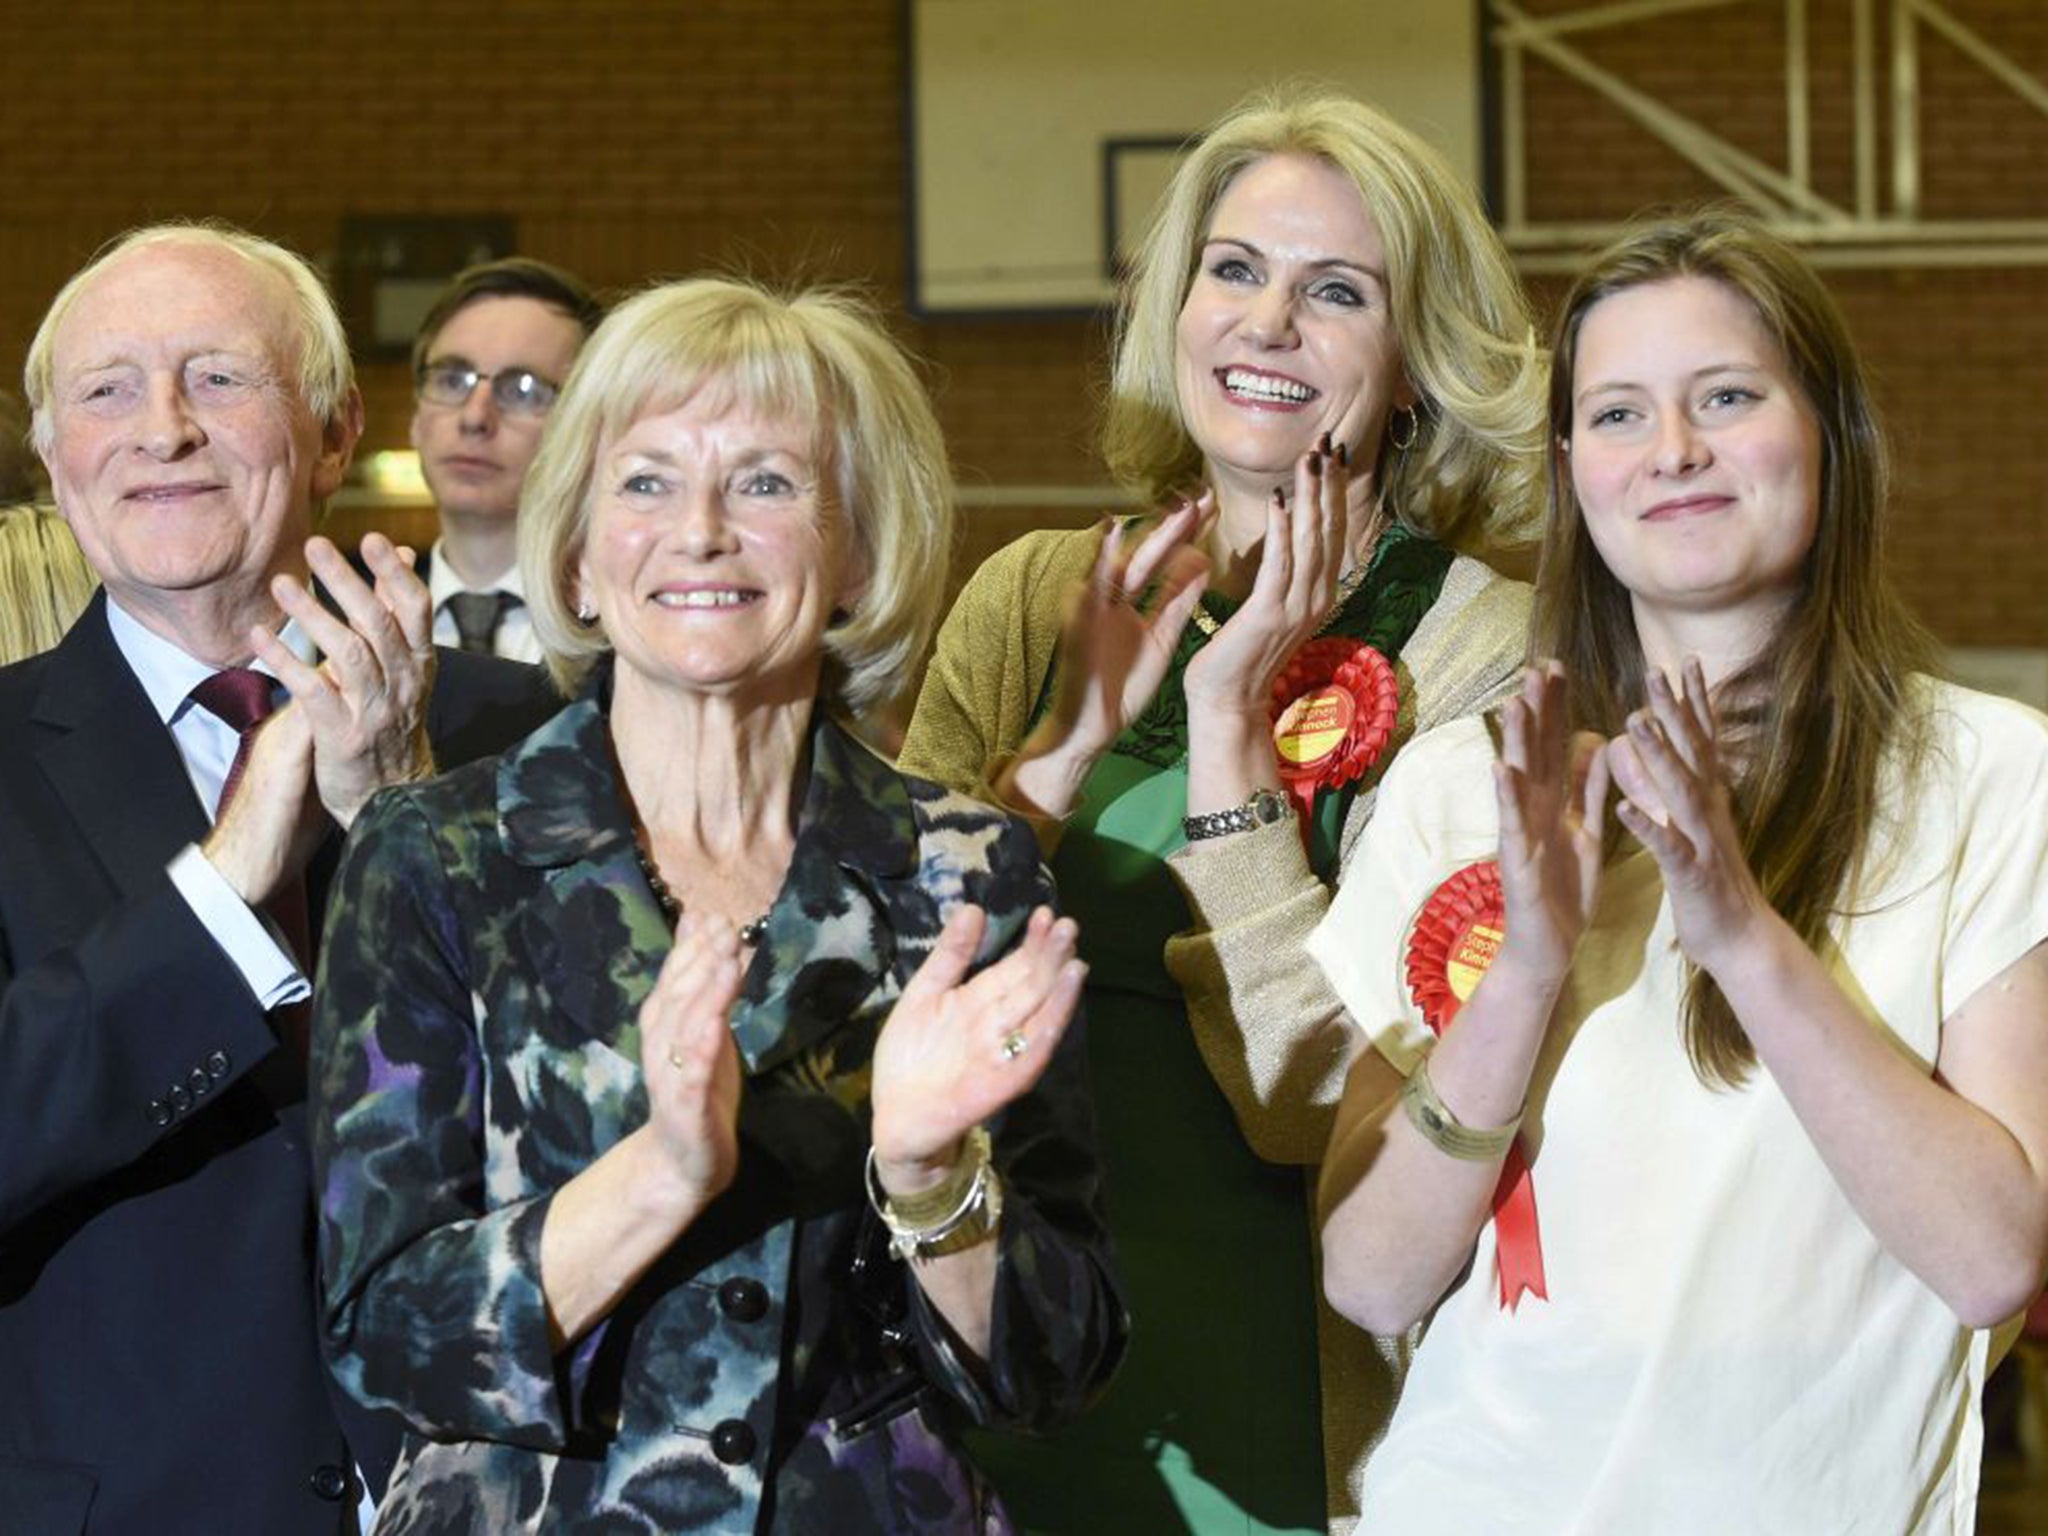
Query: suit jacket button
[732,1441]
[744,1300]
[180,1098]
[217,1065]
[328,1482]
[159,1112]
[199,1083]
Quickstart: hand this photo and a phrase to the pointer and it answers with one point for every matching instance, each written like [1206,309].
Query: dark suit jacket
[160,1370]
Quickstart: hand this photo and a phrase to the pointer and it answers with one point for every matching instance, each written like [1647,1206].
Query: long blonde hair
[44,581]
[1813,721]
[1471,474]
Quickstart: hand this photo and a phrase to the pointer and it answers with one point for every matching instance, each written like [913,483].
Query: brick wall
[634,139]
[630,139]
[1960,354]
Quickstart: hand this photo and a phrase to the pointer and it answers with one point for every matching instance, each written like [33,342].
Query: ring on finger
[1013,1044]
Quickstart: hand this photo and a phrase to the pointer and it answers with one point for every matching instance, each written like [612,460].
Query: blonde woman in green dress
[1325,376]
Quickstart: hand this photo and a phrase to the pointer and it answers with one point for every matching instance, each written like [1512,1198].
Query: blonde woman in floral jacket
[703,1137]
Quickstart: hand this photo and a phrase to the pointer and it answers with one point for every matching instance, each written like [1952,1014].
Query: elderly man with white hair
[163,864]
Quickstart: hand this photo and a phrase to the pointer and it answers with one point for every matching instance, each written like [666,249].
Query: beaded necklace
[671,906]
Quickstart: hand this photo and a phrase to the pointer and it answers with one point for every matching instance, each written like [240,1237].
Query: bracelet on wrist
[1443,1130]
[957,1213]
[1262,809]
[923,1207]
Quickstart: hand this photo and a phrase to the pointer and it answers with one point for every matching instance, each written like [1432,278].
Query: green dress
[1213,1424]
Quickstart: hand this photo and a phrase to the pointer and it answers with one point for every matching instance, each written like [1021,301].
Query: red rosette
[1455,937]
[1333,710]
[1450,946]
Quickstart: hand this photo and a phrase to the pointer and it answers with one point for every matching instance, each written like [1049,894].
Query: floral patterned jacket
[490,941]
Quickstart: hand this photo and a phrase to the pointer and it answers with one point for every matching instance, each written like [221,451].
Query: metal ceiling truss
[1872,233]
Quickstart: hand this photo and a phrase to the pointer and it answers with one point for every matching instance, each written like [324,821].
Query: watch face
[1268,806]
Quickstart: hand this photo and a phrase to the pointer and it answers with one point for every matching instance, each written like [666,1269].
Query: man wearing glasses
[489,359]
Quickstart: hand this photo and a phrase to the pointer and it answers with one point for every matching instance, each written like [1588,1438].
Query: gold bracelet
[983,1215]
[1429,1114]
[960,1212]
[927,1206]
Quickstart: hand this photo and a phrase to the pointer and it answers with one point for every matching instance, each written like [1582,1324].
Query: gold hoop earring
[1397,442]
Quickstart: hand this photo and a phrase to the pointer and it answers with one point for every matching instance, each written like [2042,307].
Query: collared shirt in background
[515,638]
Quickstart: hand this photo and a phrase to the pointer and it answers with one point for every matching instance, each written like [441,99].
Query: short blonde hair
[45,582]
[818,356]
[1473,470]
[327,376]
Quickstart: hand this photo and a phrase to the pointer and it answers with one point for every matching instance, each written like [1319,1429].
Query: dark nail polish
[1315,463]
[1344,455]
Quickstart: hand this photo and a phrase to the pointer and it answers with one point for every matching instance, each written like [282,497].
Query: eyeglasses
[515,391]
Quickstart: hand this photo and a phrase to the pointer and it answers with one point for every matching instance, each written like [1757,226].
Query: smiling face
[475,455]
[1694,454]
[181,451]
[715,551]
[1285,332]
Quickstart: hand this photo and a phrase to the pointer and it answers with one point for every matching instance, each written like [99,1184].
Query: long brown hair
[1811,721]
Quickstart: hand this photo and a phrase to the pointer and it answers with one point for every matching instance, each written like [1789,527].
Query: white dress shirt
[207,744]
[514,639]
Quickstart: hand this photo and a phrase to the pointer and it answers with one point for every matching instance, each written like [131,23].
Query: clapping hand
[1552,790]
[1113,655]
[1676,802]
[689,1060]
[366,702]
[1299,565]
[956,1050]
[270,826]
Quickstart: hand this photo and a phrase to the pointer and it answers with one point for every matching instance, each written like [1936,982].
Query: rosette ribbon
[1333,709]
[1454,940]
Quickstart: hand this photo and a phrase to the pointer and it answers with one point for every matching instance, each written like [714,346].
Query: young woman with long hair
[1719,1150]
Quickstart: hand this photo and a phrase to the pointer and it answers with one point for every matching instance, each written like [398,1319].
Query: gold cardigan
[1268,1025]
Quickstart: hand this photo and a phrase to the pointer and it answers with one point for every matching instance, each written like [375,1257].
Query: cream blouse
[1725,1346]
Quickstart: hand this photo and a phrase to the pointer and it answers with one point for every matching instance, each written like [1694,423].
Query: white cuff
[248,938]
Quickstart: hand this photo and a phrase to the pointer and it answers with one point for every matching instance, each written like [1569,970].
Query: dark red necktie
[243,699]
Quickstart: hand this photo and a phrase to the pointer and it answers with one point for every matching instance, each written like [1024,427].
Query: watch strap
[1263,808]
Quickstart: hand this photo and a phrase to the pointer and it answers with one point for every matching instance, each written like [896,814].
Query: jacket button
[159,1112]
[732,1442]
[328,1482]
[180,1098]
[743,1300]
[217,1065]
[199,1083]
